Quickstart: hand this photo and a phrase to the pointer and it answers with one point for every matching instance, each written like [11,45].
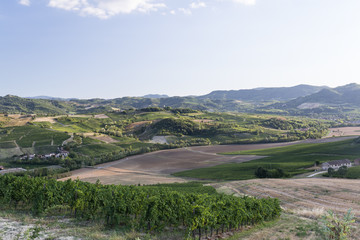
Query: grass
[287,227]
[7,145]
[26,135]
[97,149]
[292,159]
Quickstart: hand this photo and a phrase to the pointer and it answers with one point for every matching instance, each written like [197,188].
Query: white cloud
[106,8]
[172,12]
[185,11]
[245,2]
[197,5]
[25,2]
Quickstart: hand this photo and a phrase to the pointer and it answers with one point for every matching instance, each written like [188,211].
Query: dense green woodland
[151,208]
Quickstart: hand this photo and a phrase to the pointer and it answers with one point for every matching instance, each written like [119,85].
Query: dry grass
[305,196]
[14,120]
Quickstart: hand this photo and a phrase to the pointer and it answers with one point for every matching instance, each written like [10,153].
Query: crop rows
[145,209]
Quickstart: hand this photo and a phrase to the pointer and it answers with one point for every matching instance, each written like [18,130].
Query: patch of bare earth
[101,116]
[344,131]
[159,139]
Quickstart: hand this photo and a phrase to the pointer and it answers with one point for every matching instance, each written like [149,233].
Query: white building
[336,164]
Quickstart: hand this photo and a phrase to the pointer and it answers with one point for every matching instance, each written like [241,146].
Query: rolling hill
[297,100]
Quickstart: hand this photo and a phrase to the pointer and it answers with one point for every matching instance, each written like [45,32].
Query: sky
[115,48]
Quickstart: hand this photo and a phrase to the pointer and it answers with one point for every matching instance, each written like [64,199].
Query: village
[61,153]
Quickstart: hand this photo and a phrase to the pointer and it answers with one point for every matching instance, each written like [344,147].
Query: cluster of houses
[61,153]
[336,164]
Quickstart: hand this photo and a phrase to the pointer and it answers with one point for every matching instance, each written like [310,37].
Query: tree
[331,171]
[342,171]
[261,172]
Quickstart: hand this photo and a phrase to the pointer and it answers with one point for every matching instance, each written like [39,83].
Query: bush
[337,228]
[261,172]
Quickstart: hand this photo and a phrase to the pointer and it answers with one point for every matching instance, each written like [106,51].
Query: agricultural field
[306,200]
[110,136]
[18,140]
[344,131]
[295,159]
[164,166]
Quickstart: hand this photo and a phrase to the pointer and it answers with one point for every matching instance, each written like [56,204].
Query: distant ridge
[297,100]
[344,95]
[265,94]
[156,96]
[51,98]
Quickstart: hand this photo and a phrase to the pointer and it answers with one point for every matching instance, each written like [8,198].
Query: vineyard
[143,208]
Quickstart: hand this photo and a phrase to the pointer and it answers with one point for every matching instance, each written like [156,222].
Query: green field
[5,145]
[293,159]
[25,136]
[97,149]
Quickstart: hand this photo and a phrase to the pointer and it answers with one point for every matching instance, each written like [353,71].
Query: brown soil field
[308,197]
[344,131]
[143,168]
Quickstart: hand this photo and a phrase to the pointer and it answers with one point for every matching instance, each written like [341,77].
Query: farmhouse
[336,164]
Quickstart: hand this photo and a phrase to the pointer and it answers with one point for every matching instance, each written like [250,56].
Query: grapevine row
[146,209]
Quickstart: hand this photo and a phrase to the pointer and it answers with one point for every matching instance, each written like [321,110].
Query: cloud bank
[245,2]
[107,8]
[24,2]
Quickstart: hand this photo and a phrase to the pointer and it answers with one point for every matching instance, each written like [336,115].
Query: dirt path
[68,140]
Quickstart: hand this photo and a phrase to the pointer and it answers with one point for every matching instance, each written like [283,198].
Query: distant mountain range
[297,100]
[265,94]
[156,96]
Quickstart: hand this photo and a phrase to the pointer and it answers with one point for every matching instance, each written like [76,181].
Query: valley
[97,145]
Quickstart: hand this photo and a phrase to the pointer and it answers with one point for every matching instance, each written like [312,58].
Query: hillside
[265,94]
[303,100]
[14,104]
[344,95]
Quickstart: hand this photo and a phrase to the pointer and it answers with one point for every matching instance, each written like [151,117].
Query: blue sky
[115,48]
